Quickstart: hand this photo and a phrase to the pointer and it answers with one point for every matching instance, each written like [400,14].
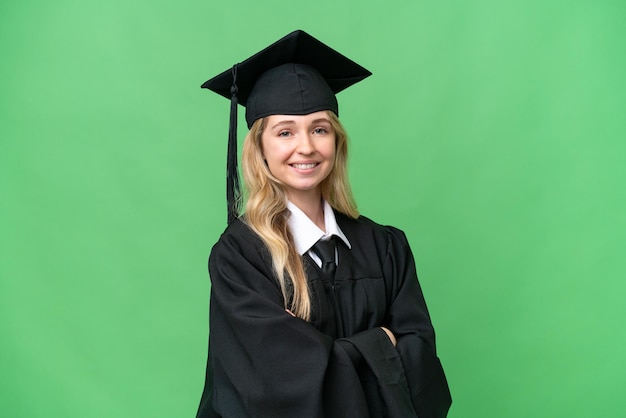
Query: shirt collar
[304,231]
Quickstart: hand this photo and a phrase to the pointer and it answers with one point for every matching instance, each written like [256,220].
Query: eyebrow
[292,122]
[320,121]
[284,122]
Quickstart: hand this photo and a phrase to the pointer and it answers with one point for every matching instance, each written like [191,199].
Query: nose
[305,144]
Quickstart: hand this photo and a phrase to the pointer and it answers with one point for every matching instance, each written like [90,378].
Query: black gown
[263,362]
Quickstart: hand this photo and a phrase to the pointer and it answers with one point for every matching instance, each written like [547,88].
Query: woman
[315,311]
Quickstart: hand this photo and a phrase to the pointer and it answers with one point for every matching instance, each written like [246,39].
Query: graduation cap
[295,75]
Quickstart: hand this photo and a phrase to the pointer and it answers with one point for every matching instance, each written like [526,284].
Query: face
[299,151]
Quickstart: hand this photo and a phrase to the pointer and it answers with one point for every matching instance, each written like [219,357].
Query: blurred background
[492,132]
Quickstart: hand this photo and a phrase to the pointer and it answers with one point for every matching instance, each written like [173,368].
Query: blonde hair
[266,211]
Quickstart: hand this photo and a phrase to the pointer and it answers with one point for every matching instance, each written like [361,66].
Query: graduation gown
[263,362]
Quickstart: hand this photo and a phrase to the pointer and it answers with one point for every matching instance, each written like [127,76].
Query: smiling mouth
[307,166]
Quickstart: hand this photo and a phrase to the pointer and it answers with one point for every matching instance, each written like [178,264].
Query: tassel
[233,192]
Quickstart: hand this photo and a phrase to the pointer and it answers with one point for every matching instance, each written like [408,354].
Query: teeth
[304,166]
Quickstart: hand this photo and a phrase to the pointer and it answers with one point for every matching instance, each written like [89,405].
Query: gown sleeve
[263,362]
[410,322]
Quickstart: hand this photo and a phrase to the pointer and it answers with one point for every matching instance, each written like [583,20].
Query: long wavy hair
[266,211]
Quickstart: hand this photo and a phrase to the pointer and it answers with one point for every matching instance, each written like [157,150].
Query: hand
[390,335]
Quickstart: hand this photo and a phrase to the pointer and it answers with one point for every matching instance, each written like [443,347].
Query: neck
[312,206]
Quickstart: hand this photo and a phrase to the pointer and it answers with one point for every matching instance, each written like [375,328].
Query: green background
[492,132]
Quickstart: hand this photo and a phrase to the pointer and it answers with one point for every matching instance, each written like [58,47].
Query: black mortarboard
[296,75]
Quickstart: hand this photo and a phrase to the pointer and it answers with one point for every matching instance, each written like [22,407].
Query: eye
[320,131]
[284,134]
